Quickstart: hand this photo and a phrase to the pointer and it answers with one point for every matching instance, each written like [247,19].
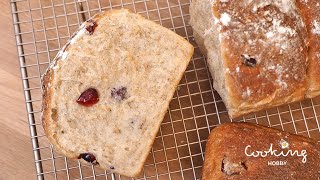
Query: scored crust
[50,119]
[256,51]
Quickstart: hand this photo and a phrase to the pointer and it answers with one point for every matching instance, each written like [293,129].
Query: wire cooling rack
[42,27]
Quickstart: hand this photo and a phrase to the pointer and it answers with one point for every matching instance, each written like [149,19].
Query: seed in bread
[107,91]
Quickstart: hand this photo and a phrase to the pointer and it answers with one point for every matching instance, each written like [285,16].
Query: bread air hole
[231,168]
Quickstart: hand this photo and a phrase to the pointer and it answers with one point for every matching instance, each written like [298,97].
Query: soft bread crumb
[135,66]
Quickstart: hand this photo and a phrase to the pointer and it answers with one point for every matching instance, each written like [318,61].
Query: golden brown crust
[46,96]
[270,102]
[225,154]
[310,11]
[264,53]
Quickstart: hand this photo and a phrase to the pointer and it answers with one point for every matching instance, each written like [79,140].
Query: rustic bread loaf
[232,153]
[107,91]
[256,51]
[310,11]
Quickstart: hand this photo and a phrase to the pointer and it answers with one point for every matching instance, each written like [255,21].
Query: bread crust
[49,120]
[310,12]
[253,30]
[225,156]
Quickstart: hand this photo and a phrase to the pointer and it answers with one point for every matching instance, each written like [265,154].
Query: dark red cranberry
[90,28]
[89,158]
[88,98]
[119,93]
[249,61]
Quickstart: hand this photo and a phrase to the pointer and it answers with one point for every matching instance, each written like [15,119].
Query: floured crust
[49,118]
[272,35]
[53,121]
[310,11]
[225,156]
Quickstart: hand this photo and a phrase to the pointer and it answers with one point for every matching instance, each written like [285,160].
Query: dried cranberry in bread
[231,146]
[256,51]
[310,11]
[107,91]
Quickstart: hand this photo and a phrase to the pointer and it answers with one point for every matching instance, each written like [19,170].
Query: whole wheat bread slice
[134,66]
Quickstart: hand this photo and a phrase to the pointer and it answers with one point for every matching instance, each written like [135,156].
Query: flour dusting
[316,27]
[225,19]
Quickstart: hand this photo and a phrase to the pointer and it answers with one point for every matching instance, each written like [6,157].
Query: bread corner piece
[230,146]
[256,51]
[134,65]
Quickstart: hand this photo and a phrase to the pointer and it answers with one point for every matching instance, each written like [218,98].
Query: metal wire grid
[42,27]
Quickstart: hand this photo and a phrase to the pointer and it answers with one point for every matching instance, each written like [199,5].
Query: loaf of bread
[107,91]
[256,51]
[310,11]
[248,151]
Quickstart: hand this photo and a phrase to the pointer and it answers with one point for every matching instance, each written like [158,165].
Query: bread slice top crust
[264,53]
[310,11]
[225,156]
[113,50]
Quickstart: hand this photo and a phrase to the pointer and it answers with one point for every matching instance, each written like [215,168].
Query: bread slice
[310,11]
[230,146]
[256,51]
[107,91]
